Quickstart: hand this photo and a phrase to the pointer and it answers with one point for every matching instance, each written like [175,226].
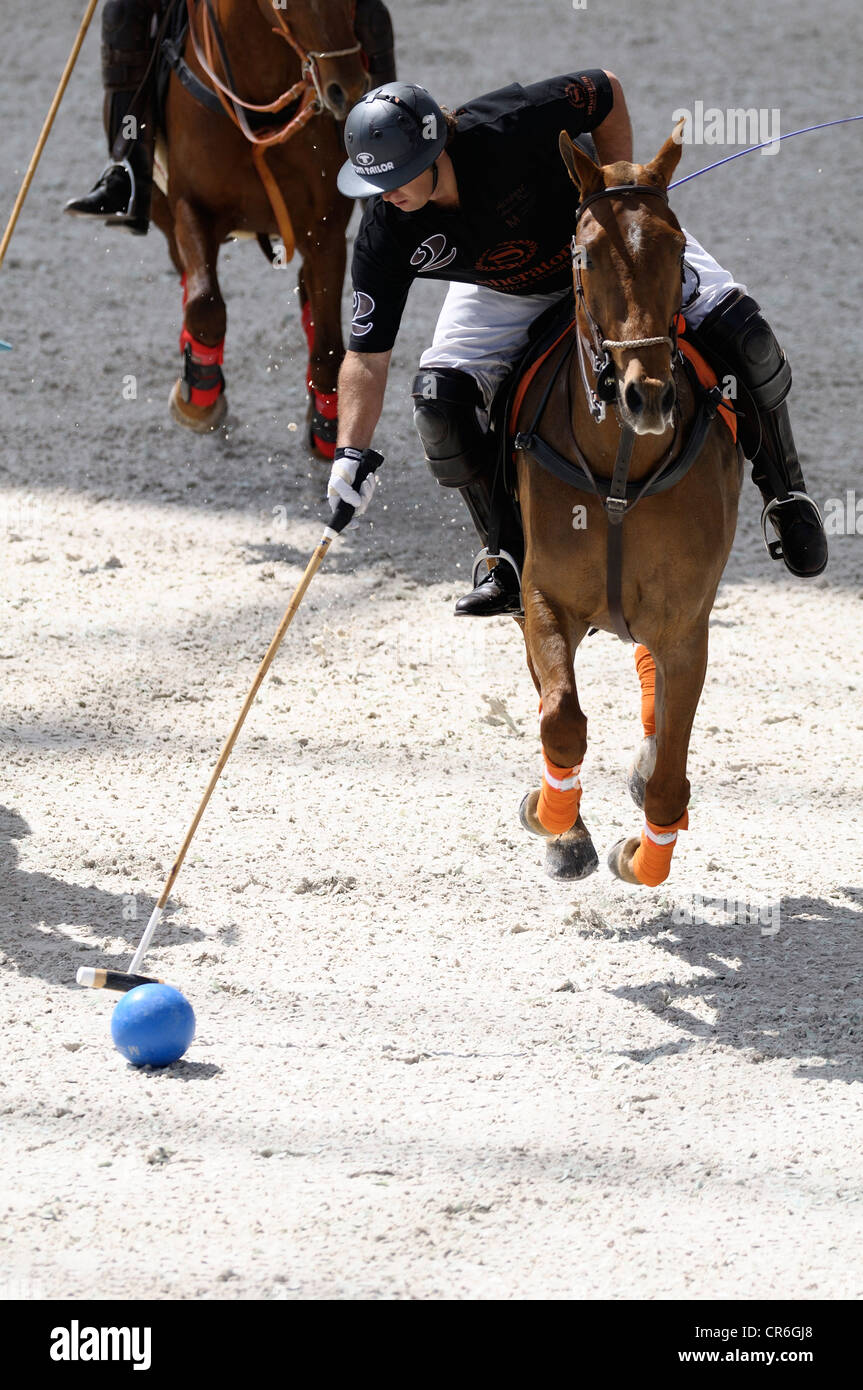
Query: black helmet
[391,135]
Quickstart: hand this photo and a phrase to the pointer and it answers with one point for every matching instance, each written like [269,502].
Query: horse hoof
[528,817]
[571,855]
[642,770]
[201,419]
[620,858]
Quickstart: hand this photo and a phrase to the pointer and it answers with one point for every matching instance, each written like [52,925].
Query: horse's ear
[584,173]
[668,158]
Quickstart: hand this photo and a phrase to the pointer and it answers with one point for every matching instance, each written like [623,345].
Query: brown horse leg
[198,399]
[321,280]
[680,678]
[550,653]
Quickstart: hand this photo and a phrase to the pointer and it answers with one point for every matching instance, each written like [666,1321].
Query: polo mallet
[122,981]
[46,129]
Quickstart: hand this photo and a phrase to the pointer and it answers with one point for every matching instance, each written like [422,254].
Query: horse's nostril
[669,396]
[336,97]
[633,398]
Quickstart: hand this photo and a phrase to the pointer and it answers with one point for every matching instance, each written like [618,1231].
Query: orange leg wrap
[646,669]
[651,862]
[559,797]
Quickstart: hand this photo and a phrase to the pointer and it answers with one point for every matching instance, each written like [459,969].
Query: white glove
[342,479]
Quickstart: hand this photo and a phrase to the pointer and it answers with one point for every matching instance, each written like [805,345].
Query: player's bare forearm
[613,136]
[362,383]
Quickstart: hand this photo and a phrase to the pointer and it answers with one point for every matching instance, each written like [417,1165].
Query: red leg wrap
[202,374]
[325,411]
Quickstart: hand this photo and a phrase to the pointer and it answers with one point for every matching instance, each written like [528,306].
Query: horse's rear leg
[198,398]
[553,810]
[680,677]
[320,283]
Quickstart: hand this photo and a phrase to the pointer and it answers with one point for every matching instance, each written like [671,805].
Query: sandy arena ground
[422,1069]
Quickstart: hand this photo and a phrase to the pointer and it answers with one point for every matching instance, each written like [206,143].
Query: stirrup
[774,548]
[120,218]
[485,555]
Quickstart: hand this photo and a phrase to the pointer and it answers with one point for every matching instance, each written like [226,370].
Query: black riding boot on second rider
[737,339]
[122,194]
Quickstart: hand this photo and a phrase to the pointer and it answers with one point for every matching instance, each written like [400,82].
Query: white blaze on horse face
[634,238]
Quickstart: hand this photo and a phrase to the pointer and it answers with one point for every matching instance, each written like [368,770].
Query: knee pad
[739,333]
[445,405]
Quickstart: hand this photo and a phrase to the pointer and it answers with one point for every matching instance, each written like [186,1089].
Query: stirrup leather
[774,548]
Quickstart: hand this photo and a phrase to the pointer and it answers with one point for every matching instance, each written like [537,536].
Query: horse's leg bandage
[559,797]
[651,862]
[325,420]
[202,370]
[646,669]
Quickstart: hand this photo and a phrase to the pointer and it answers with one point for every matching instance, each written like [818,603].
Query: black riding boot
[374,30]
[737,336]
[122,194]
[460,455]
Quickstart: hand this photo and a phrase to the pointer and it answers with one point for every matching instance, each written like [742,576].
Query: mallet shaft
[296,600]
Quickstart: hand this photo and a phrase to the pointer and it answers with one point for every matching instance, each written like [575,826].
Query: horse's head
[322,32]
[627,257]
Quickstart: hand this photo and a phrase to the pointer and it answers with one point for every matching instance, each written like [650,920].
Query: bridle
[605,390]
[309,58]
[307,91]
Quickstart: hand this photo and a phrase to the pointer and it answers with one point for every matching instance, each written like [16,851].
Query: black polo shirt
[516,214]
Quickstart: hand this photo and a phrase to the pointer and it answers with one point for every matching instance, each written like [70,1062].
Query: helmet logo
[365,158]
[430,126]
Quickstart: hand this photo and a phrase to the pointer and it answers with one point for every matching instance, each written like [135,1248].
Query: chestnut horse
[595,558]
[284,74]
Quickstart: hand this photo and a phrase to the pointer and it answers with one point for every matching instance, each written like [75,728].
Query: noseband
[605,390]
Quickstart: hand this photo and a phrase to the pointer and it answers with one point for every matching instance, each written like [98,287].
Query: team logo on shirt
[364,307]
[509,255]
[430,255]
[582,95]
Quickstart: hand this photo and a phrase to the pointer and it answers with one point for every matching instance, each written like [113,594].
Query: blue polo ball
[152,1025]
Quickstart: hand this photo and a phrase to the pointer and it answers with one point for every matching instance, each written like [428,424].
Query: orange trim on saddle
[651,862]
[522,388]
[705,373]
[646,668]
